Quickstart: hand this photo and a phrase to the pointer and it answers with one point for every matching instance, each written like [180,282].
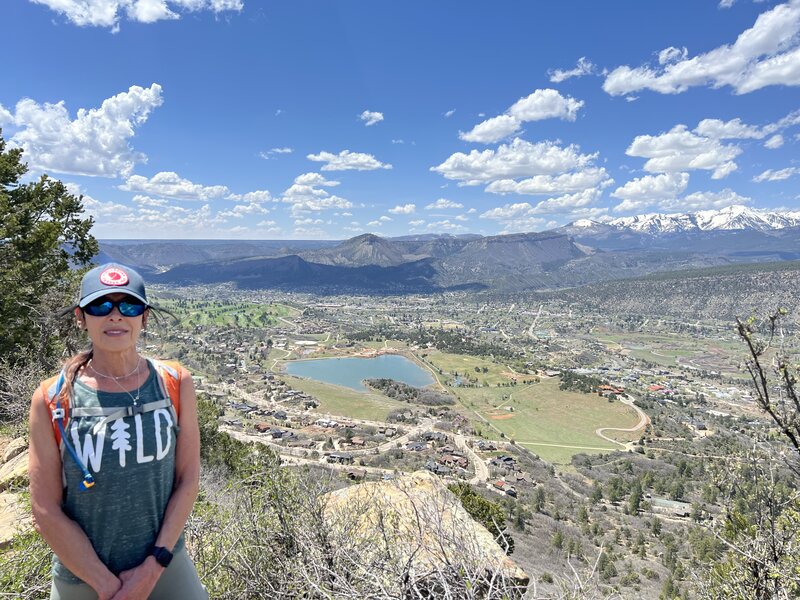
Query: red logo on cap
[113,276]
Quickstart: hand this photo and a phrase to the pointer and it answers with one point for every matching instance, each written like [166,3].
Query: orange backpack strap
[169,377]
[56,402]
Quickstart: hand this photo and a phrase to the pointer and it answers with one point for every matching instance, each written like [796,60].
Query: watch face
[162,555]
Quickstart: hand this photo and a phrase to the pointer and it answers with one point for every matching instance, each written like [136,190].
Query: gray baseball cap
[111,278]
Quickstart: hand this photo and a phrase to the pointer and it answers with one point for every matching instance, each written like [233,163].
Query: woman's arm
[63,535]
[140,580]
[187,468]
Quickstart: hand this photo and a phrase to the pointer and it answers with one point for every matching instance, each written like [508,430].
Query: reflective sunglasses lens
[131,309]
[99,308]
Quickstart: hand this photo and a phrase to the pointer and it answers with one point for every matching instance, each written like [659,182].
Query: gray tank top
[132,460]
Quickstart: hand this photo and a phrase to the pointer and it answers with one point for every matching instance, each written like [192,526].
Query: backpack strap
[57,403]
[54,396]
[169,381]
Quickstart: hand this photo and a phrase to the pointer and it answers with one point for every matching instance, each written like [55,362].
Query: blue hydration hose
[58,417]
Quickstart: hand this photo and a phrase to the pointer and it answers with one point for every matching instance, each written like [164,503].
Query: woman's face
[113,332]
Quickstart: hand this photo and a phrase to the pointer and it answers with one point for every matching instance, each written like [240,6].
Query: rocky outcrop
[417,522]
[15,516]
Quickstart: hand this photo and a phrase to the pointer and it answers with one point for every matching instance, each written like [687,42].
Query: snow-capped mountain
[732,218]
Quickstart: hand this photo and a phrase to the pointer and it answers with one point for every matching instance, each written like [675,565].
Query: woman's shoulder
[173,367]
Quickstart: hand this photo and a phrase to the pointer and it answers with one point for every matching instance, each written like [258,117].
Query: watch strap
[162,556]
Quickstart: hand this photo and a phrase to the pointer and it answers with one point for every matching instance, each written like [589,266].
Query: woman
[113,506]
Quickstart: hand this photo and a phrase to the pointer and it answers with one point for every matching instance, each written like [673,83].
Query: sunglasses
[128,307]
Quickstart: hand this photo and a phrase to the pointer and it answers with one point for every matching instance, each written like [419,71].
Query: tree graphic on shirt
[121,439]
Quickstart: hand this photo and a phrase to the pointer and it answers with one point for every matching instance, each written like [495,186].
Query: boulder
[15,517]
[14,472]
[14,448]
[415,522]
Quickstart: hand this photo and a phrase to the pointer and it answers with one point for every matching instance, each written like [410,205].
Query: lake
[350,372]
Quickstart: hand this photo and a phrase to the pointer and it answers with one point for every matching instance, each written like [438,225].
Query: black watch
[163,556]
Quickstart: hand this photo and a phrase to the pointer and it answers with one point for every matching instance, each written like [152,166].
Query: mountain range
[582,252]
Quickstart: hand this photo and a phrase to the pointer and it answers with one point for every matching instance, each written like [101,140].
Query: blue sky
[251,119]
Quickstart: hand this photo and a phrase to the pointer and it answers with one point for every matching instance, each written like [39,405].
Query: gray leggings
[179,580]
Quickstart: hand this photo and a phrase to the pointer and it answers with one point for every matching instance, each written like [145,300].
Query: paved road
[481,470]
[643,421]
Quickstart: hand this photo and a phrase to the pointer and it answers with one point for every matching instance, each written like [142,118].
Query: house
[504,462]
[447,449]
[434,436]
[356,474]
[505,487]
[357,441]
[416,446]
[452,461]
[338,457]
[263,427]
[437,469]
[280,415]
[486,446]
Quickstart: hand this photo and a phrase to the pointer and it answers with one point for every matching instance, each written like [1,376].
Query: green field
[552,423]
[342,401]
[466,366]
[226,314]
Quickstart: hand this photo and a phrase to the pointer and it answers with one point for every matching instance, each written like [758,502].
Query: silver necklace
[134,399]
[136,368]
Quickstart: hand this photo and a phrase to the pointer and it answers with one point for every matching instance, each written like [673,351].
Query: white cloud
[244,210]
[148,201]
[266,155]
[726,3]
[567,203]
[449,113]
[308,221]
[417,222]
[306,195]
[708,200]
[681,150]
[445,225]
[371,117]
[492,130]
[653,188]
[766,54]
[584,67]
[508,211]
[540,104]
[672,54]
[5,116]
[171,185]
[256,196]
[374,224]
[518,158]
[347,160]
[95,143]
[777,175]
[314,179]
[443,203]
[107,13]
[550,184]
[405,209]
[385,219]
[776,141]
[733,130]
[398,141]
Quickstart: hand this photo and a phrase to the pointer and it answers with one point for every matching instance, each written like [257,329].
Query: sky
[326,119]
